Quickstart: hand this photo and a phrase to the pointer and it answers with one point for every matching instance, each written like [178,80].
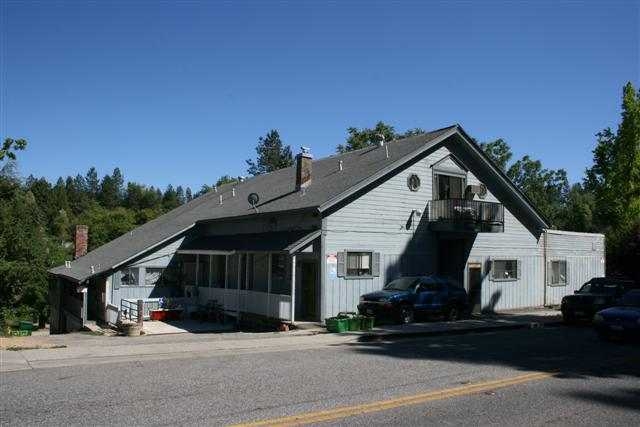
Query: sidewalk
[87,349]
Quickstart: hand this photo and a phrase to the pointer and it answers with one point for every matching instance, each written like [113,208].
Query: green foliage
[106,224]
[498,151]
[548,189]
[614,180]
[10,146]
[362,138]
[272,155]
[225,179]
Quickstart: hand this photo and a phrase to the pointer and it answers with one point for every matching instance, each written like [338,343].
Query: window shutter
[342,264]
[116,279]
[375,267]
[519,267]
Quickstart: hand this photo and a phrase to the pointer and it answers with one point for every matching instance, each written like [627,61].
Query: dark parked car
[595,295]
[407,297]
[622,320]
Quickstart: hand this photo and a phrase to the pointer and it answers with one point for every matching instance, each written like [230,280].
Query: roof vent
[67,264]
[233,192]
[381,140]
[340,165]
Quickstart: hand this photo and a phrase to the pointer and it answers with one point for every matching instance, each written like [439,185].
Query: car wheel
[406,314]
[453,313]
[567,319]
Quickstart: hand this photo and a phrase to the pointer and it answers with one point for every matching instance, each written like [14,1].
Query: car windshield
[598,288]
[631,299]
[402,284]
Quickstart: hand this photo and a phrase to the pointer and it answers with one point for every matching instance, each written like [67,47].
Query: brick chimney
[81,240]
[304,160]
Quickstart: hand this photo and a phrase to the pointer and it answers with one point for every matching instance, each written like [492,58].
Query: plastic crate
[366,323]
[337,324]
[26,326]
[354,323]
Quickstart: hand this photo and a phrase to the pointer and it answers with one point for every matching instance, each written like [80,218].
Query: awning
[281,241]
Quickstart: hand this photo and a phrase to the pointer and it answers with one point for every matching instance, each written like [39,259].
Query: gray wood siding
[585,257]
[379,221]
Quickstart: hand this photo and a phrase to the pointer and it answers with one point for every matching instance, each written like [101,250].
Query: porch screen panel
[261,270]
[218,271]
[188,269]
[279,282]
[203,270]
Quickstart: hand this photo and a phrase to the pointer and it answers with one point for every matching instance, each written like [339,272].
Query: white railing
[148,305]
[271,305]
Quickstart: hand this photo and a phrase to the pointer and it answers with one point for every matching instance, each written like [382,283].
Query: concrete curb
[372,336]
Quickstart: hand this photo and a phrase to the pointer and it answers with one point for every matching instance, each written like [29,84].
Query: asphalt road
[562,376]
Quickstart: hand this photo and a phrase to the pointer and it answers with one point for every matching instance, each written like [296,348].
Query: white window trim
[566,272]
[510,279]
[346,266]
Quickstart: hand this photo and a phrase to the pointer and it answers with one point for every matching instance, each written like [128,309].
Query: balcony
[464,215]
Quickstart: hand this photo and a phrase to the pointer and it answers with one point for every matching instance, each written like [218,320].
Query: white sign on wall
[332,265]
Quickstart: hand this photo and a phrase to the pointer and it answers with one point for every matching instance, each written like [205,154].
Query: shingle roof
[277,194]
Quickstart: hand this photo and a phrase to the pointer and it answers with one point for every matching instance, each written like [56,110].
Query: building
[303,243]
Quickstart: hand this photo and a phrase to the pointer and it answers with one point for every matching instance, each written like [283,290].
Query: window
[558,272]
[359,263]
[450,187]
[505,269]
[413,182]
[129,276]
[153,276]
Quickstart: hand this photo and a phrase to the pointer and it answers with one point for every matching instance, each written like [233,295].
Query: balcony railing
[466,215]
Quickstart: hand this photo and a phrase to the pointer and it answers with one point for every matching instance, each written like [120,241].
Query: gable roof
[277,192]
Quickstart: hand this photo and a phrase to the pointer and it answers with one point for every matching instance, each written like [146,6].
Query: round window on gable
[413,182]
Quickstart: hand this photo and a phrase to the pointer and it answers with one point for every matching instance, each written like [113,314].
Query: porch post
[238,287]
[293,288]
[269,284]
[197,266]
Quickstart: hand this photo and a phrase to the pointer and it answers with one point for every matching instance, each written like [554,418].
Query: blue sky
[179,92]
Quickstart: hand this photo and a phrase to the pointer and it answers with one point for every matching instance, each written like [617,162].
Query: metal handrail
[463,210]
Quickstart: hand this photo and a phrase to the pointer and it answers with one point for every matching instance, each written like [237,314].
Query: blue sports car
[622,320]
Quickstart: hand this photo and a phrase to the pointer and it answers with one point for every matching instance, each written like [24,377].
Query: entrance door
[308,275]
[475,287]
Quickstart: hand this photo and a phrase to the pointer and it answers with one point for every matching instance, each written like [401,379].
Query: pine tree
[272,155]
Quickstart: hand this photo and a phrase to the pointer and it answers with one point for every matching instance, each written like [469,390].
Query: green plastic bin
[26,326]
[337,324]
[354,323]
[366,323]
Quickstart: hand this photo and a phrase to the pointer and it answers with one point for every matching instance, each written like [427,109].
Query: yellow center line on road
[383,405]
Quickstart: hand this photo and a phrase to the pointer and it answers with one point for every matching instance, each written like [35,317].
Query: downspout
[544,268]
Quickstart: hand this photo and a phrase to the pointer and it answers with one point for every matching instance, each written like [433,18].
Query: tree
[362,138]
[272,155]
[498,151]
[180,195]
[10,146]
[412,132]
[111,189]
[225,179]
[93,183]
[170,199]
[614,180]
[547,188]
[188,195]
